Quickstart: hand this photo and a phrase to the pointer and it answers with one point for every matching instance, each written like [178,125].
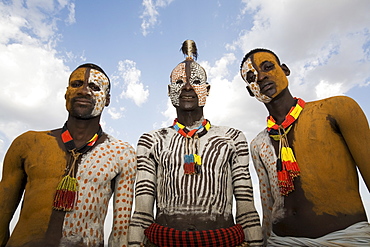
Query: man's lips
[83,101]
[266,86]
[188,97]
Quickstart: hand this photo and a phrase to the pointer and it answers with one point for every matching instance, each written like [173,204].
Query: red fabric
[165,236]
[66,136]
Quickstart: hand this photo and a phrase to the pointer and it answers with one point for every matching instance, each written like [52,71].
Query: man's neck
[280,105]
[188,118]
[82,129]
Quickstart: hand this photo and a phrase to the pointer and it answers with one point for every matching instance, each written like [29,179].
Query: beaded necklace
[66,194]
[286,164]
[192,161]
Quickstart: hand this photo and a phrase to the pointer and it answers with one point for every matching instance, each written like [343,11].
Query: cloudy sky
[326,45]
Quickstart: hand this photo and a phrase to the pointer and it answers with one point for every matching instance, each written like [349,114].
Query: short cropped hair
[250,53]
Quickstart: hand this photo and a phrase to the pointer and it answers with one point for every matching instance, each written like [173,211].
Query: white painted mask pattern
[198,80]
[102,82]
[254,87]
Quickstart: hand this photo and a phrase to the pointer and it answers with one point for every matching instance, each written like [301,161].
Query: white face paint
[198,80]
[253,85]
[99,79]
[96,85]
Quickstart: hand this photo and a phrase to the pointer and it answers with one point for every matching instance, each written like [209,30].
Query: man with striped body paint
[307,160]
[93,163]
[190,172]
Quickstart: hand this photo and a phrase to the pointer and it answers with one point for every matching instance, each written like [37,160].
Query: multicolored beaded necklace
[192,161]
[287,166]
[67,189]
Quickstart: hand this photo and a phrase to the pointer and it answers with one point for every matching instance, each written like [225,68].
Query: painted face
[264,76]
[194,74]
[87,93]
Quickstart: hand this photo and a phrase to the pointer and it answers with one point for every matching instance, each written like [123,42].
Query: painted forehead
[95,77]
[260,57]
[255,61]
[178,73]
[78,75]
[196,73]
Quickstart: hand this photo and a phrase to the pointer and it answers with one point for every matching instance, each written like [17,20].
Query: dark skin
[298,208]
[82,126]
[189,112]
[300,219]
[80,123]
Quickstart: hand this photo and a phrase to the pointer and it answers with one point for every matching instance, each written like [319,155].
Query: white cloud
[71,17]
[115,113]
[220,70]
[169,113]
[325,89]
[321,43]
[318,40]
[132,87]
[33,77]
[150,14]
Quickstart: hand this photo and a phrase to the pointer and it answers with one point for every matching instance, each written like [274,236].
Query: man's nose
[84,90]
[260,76]
[187,86]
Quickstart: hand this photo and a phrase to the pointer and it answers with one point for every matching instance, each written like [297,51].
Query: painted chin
[81,107]
[82,113]
[263,98]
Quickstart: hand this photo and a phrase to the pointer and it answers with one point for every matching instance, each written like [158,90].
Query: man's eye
[94,87]
[268,66]
[179,82]
[251,77]
[76,84]
[196,82]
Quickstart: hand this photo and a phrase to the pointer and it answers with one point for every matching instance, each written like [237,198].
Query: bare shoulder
[340,106]
[114,143]
[32,135]
[225,130]
[335,101]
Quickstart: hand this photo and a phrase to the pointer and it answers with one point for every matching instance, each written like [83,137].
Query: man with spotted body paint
[190,172]
[36,162]
[307,160]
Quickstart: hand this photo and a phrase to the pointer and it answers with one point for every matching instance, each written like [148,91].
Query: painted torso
[108,167]
[326,196]
[194,202]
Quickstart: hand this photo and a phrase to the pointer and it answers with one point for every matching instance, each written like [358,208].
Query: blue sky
[325,45]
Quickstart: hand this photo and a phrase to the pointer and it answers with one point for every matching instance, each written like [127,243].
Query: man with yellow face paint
[69,174]
[191,171]
[307,160]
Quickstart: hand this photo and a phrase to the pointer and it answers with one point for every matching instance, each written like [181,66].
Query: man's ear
[107,100]
[208,88]
[285,69]
[250,91]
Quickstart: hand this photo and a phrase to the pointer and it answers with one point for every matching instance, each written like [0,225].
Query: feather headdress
[189,49]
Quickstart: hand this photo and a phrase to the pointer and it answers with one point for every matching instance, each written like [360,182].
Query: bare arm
[11,185]
[354,127]
[246,214]
[123,196]
[144,191]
